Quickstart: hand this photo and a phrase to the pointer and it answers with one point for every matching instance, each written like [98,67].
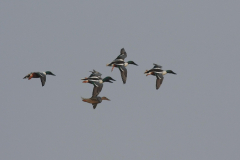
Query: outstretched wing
[97,89]
[123,71]
[94,105]
[159,80]
[123,54]
[156,65]
[95,73]
[42,77]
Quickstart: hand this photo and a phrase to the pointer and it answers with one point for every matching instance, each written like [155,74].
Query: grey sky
[194,115]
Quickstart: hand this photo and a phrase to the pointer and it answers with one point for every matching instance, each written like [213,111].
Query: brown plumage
[94,101]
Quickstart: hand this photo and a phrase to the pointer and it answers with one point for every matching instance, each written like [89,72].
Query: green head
[131,62]
[170,71]
[108,79]
[50,73]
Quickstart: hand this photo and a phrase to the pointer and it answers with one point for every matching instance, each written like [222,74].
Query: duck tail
[27,76]
[84,78]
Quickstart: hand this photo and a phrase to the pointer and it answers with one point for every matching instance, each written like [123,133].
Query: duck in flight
[94,101]
[97,81]
[159,73]
[121,65]
[41,75]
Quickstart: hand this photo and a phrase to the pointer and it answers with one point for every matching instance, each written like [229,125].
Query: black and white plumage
[159,80]
[159,73]
[43,77]
[120,59]
[121,65]
[123,55]
[157,68]
[97,81]
[94,77]
[123,71]
[95,73]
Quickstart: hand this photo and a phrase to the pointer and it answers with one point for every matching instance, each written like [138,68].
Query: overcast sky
[194,114]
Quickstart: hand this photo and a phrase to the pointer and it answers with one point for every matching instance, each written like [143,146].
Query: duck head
[170,71]
[108,79]
[131,62]
[50,73]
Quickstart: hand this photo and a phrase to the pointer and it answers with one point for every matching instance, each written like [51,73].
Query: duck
[41,75]
[121,65]
[159,73]
[98,84]
[94,101]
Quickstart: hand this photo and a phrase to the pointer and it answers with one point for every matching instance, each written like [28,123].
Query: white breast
[164,72]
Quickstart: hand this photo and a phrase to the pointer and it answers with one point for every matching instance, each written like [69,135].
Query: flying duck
[97,83]
[121,65]
[41,75]
[159,73]
[94,101]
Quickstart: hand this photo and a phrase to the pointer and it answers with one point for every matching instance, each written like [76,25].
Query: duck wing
[156,65]
[42,77]
[123,71]
[95,73]
[97,89]
[94,105]
[159,80]
[123,54]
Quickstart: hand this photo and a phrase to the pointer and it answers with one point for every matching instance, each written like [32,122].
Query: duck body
[41,75]
[159,73]
[94,100]
[121,65]
[95,76]
[97,81]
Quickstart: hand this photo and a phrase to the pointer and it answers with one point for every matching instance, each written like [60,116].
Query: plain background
[194,114]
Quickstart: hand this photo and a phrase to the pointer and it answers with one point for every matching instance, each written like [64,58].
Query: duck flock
[96,80]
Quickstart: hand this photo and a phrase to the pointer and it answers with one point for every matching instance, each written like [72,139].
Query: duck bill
[112,79]
[135,64]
